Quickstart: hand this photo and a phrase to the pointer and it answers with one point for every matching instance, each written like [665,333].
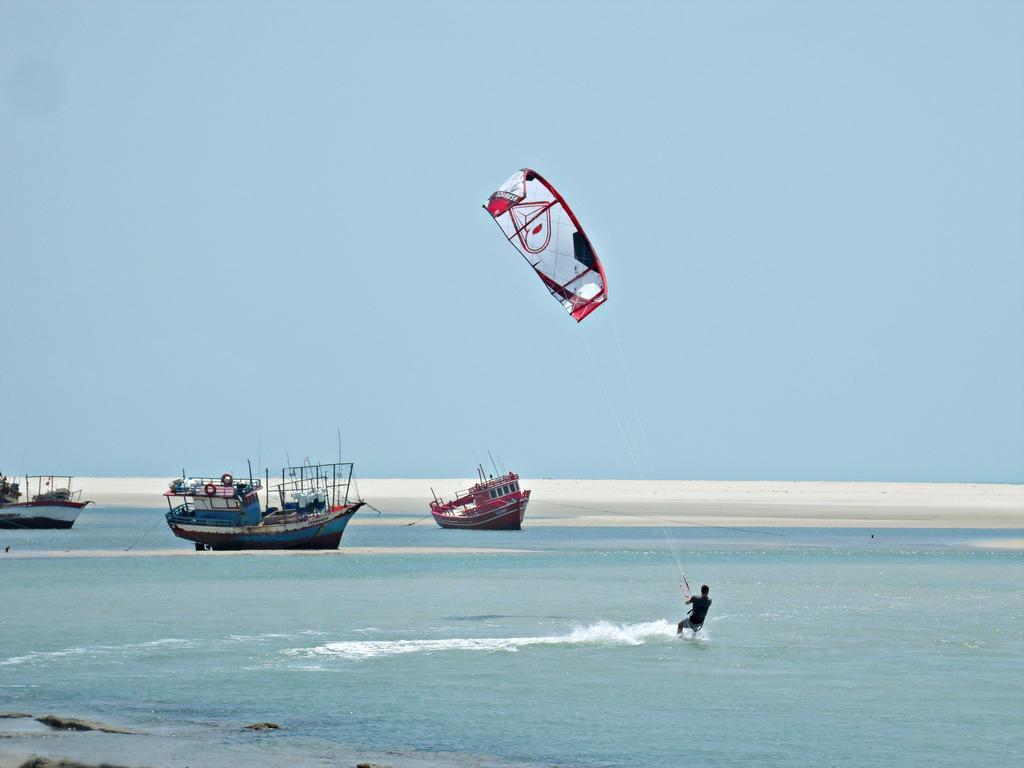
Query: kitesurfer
[695,618]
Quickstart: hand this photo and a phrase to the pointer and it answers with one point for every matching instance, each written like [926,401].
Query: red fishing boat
[493,504]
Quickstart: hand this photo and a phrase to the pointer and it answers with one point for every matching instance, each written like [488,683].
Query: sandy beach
[673,502]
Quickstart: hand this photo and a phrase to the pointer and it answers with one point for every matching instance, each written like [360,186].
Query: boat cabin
[497,487]
[9,492]
[215,501]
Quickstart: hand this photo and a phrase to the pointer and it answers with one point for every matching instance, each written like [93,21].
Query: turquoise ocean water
[823,648]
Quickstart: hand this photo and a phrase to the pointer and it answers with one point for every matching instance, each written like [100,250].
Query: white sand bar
[673,502]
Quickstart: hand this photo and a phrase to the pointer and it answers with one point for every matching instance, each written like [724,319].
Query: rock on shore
[263,727]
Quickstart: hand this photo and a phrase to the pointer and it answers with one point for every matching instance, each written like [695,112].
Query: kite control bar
[686,586]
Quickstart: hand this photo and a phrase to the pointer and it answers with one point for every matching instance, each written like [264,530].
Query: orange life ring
[226,479]
[210,489]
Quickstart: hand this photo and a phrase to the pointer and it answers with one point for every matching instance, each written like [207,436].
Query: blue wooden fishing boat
[311,512]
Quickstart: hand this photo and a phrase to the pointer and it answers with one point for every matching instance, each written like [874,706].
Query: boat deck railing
[50,488]
[281,516]
[185,513]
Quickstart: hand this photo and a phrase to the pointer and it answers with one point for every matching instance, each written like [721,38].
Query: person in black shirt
[695,618]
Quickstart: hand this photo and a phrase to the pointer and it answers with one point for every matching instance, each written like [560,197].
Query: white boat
[53,503]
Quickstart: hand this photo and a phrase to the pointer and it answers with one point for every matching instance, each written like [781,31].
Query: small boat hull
[505,516]
[40,514]
[274,532]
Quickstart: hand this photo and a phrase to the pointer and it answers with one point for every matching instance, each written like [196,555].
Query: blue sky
[227,230]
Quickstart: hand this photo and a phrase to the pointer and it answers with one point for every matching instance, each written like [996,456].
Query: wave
[601,633]
[95,650]
[138,649]
[33,656]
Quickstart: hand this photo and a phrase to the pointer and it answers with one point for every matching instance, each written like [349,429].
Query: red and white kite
[539,223]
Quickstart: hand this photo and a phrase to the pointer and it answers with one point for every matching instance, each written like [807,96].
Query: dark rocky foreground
[61,762]
[61,723]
